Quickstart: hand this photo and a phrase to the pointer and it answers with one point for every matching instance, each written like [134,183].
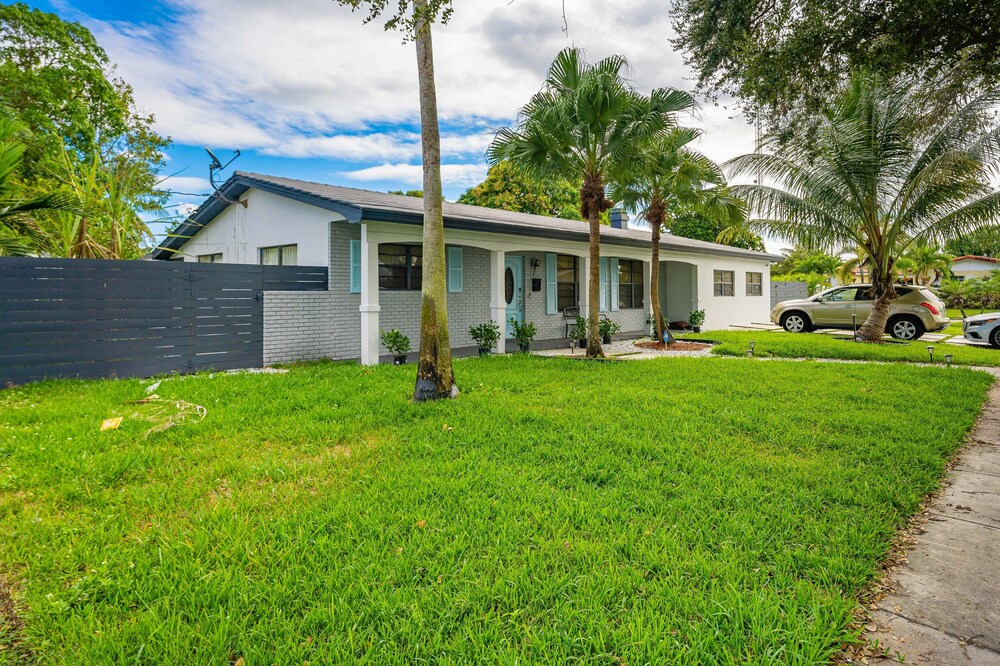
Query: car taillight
[934,310]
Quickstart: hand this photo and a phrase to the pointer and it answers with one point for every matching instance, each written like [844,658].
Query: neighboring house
[971,266]
[500,265]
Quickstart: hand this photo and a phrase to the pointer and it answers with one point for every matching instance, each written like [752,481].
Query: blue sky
[305,90]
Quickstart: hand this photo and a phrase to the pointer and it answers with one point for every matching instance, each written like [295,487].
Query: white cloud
[189,184]
[453,175]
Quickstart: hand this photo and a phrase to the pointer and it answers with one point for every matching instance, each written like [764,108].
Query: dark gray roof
[356,205]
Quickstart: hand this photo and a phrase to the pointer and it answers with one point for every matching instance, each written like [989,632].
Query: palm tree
[818,262]
[668,174]
[928,260]
[959,293]
[584,125]
[866,179]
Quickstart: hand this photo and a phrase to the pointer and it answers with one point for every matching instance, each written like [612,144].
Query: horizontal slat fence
[83,318]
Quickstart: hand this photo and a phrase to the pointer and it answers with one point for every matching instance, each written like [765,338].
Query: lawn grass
[674,511]
[955,313]
[819,345]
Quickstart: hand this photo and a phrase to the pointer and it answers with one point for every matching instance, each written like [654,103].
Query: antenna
[214,167]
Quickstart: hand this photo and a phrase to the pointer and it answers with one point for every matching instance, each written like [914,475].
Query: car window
[864,294]
[902,291]
[841,295]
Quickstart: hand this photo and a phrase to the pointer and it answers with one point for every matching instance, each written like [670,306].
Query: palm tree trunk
[874,327]
[655,216]
[594,349]
[435,378]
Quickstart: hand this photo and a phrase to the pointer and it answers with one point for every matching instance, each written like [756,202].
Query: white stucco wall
[268,220]
[739,309]
[972,268]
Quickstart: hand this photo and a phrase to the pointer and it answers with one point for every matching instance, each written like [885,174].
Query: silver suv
[915,311]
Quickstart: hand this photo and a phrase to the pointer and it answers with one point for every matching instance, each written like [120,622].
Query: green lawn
[817,345]
[676,511]
[955,313]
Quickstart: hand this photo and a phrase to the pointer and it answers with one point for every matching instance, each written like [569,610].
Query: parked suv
[915,311]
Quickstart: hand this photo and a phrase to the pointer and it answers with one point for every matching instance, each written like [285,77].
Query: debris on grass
[112,423]
[14,646]
[173,413]
[677,346]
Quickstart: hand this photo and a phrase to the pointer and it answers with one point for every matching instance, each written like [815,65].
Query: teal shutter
[455,269]
[355,267]
[551,285]
[614,284]
[604,285]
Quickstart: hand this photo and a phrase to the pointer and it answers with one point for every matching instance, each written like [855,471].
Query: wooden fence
[64,318]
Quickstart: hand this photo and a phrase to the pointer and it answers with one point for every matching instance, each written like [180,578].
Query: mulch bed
[677,346]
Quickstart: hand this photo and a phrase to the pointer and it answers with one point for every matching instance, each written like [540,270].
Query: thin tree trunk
[594,349]
[874,327]
[656,216]
[435,378]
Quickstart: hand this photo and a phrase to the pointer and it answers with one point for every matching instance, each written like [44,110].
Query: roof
[973,257]
[357,205]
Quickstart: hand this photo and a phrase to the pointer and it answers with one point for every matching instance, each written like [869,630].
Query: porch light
[930,352]
[947,359]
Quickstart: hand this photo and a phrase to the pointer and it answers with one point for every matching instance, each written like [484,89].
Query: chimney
[619,218]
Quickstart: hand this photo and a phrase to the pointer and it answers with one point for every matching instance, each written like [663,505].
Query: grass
[955,313]
[675,511]
[817,345]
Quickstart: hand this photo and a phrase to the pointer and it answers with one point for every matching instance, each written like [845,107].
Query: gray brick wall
[786,291]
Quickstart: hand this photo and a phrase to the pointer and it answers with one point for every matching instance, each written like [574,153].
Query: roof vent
[619,218]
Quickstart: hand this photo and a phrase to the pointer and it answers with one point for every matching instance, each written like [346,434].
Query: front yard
[694,511]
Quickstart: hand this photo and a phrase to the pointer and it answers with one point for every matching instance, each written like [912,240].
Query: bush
[579,330]
[697,318]
[523,333]
[608,328]
[394,341]
[486,335]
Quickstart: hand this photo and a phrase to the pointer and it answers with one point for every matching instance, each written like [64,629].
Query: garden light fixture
[930,352]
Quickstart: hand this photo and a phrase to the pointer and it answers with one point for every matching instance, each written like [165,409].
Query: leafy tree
[818,262]
[585,124]
[689,223]
[435,375]
[60,84]
[668,174]
[959,293]
[409,193]
[928,262]
[787,56]
[982,243]
[508,188]
[866,182]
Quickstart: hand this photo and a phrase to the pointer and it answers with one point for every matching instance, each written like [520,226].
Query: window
[566,282]
[279,255]
[837,295]
[725,282]
[755,284]
[630,287]
[400,267]
[210,258]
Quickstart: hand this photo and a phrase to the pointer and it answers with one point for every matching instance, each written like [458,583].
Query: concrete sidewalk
[943,605]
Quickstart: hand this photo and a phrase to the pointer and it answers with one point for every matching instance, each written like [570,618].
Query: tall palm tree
[929,261]
[959,293]
[586,123]
[868,180]
[669,173]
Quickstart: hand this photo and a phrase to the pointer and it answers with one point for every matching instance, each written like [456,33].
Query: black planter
[524,346]
[484,352]
[606,339]
[399,360]
[696,329]
[583,343]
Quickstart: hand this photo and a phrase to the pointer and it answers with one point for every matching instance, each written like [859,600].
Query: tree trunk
[435,378]
[882,292]
[655,216]
[594,349]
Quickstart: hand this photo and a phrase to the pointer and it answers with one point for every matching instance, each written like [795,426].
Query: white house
[501,265]
[970,266]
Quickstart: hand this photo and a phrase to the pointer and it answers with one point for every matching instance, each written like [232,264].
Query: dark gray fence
[786,291]
[94,318]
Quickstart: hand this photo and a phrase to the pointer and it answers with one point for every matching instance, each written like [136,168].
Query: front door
[513,290]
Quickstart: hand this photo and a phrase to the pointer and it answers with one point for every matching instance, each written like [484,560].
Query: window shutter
[356,267]
[613,265]
[455,269]
[604,285]
[551,284]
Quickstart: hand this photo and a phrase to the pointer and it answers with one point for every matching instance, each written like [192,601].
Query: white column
[498,300]
[369,299]
[584,286]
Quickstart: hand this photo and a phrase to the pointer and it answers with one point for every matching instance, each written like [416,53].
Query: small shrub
[523,333]
[697,318]
[608,328]
[579,330]
[486,335]
[394,341]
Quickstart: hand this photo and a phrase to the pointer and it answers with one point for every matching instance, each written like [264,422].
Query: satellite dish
[216,164]
[214,167]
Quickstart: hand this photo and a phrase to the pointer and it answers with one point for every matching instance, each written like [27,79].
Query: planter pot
[582,343]
[606,339]
[399,360]
[484,352]
[524,346]
[696,329]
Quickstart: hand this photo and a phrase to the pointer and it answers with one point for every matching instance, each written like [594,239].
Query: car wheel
[906,328]
[995,338]
[795,322]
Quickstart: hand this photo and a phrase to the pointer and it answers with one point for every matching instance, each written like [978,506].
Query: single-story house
[971,266]
[500,265]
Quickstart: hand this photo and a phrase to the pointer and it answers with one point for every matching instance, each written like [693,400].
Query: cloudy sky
[306,90]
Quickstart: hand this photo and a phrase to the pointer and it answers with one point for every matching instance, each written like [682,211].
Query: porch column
[369,299]
[498,300]
[584,286]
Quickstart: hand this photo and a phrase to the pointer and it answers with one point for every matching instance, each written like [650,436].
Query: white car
[983,328]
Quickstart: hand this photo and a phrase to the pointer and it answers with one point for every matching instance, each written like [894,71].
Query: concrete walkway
[943,604]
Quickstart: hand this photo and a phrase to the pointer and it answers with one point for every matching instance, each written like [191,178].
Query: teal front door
[513,290]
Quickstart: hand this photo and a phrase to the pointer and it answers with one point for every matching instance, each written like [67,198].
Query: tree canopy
[508,188]
[783,56]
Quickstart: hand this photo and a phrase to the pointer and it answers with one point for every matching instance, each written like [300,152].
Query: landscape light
[930,352]
[947,359]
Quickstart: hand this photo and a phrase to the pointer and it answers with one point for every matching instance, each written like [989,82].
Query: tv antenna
[214,167]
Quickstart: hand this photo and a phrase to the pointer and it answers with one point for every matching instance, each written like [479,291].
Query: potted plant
[579,332]
[486,336]
[523,333]
[397,344]
[696,319]
[607,329]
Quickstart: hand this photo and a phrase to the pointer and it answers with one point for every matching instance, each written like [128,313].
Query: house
[971,266]
[500,265]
